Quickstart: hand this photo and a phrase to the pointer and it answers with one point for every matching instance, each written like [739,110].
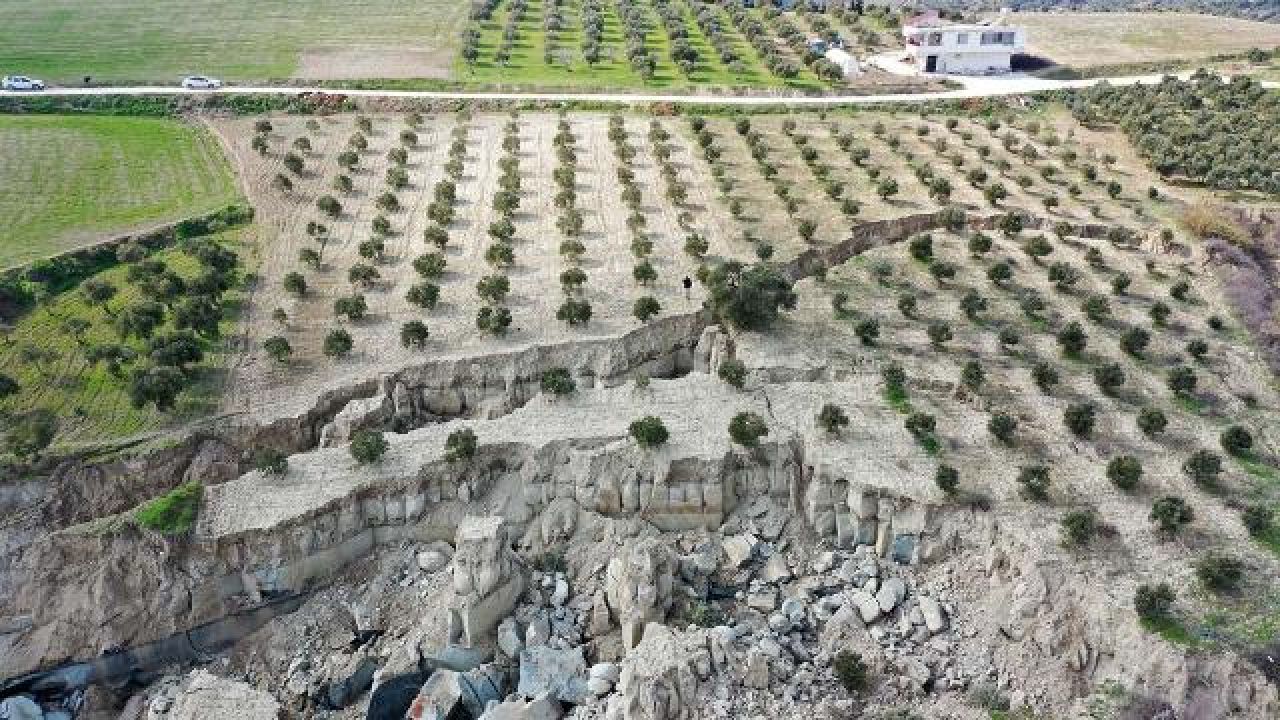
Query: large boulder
[486,580]
[205,696]
[660,676]
[638,586]
[561,673]
[544,707]
[447,693]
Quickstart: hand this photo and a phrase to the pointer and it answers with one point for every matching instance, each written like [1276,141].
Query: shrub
[460,445]
[1008,337]
[868,331]
[921,247]
[329,205]
[1257,519]
[1096,308]
[414,333]
[430,265]
[832,418]
[1120,283]
[1034,480]
[920,424]
[979,244]
[493,288]
[493,320]
[1153,602]
[1125,472]
[942,271]
[749,297]
[337,343]
[1151,421]
[649,431]
[1182,380]
[1203,467]
[368,446]
[1159,313]
[1108,377]
[173,513]
[424,295]
[295,284]
[939,333]
[30,433]
[1236,440]
[277,348]
[851,671]
[733,371]
[1063,276]
[353,307]
[895,378]
[947,479]
[574,312]
[907,305]
[1170,513]
[1134,341]
[973,305]
[1180,290]
[1045,376]
[1079,527]
[1002,426]
[8,386]
[1073,339]
[746,429]
[1037,247]
[558,381]
[972,375]
[1220,573]
[1079,418]
[1197,349]
[646,307]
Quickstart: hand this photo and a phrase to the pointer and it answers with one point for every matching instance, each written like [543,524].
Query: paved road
[974,88]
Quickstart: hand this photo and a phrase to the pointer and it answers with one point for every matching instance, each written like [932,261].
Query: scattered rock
[738,550]
[756,672]
[509,641]
[934,617]
[776,569]
[868,606]
[20,708]
[891,593]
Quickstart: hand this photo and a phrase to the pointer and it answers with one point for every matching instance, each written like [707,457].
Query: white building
[936,46]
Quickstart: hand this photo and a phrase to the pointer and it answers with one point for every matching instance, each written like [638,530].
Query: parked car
[201,82]
[22,82]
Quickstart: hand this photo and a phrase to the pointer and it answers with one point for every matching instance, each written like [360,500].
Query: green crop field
[45,352]
[67,180]
[122,41]
[528,63]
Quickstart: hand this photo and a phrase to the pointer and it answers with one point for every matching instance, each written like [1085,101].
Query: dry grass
[1205,221]
[1092,39]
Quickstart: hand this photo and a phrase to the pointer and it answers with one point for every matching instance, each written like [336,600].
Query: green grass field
[48,359]
[65,181]
[122,41]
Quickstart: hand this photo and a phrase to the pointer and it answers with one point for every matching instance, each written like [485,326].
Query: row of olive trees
[575,309]
[646,307]
[636,29]
[758,35]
